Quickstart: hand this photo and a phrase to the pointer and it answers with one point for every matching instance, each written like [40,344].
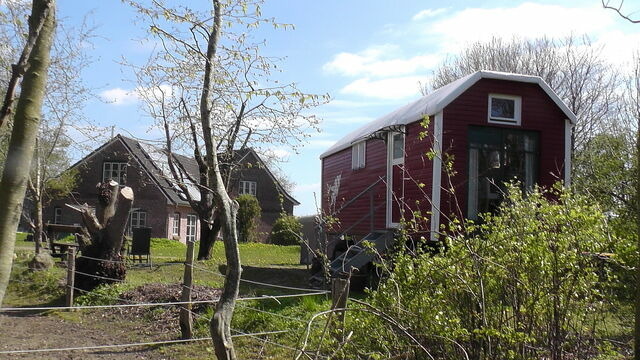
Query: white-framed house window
[192,220]
[398,148]
[176,224]
[116,171]
[137,219]
[248,187]
[505,109]
[358,153]
[57,215]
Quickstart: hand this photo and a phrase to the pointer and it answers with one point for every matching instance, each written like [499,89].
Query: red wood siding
[352,182]
[539,113]
[419,169]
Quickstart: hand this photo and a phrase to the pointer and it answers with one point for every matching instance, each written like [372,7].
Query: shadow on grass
[270,275]
[55,302]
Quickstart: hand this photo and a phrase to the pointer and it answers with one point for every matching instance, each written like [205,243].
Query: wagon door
[395,177]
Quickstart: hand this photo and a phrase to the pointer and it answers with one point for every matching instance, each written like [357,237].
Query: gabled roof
[153,161]
[438,100]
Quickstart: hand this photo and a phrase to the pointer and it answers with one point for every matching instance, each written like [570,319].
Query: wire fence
[122,303]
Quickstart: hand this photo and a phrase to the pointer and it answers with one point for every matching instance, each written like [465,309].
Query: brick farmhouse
[158,203]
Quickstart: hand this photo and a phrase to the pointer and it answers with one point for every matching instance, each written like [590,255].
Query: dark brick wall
[272,202]
[148,197]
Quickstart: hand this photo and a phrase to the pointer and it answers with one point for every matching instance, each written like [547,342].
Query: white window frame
[358,155]
[397,160]
[176,224]
[248,187]
[192,227]
[119,167]
[57,215]
[137,219]
[517,110]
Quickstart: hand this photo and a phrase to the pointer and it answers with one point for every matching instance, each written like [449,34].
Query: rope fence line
[101,260]
[150,343]
[185,305]
[273,314]
[273,342]
[96,347]
[43,308]
[255,282]
[98,276]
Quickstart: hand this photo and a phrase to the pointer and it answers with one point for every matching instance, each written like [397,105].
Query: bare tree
[210,91]
[572,67]
[633,110]
[248,107]
[23,136]
[617,7]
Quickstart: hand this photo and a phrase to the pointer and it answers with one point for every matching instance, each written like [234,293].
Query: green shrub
[247,219]
[102,295]
[526,283]
[287,230]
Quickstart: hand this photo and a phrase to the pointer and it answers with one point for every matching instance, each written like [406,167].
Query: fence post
[339,296]
[71,270]
[186,322]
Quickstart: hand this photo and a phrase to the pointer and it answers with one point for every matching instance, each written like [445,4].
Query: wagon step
[357,256]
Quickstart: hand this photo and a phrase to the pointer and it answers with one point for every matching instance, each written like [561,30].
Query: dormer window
[505,109]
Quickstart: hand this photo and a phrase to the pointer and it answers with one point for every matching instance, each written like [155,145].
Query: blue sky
[369,56]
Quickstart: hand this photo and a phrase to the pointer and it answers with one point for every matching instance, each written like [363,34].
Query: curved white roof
[438,100]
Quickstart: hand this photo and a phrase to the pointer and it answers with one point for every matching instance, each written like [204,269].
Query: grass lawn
[271,264]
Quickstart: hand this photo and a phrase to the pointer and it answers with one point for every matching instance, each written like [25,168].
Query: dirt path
[23,331]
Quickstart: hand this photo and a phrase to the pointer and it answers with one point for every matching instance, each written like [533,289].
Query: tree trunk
[38,227]
[221,321]
[636,332]
[23,136]
[208,236]
[104,233]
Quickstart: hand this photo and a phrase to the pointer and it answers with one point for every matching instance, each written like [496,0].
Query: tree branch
[17,70]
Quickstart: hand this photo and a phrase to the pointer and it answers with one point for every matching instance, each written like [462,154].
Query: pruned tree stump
[103,236]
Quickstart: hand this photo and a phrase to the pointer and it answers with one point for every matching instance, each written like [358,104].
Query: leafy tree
[24,132]
[525,284]
[210,90]
[609,179]
[62,109]
[248,214]
[248,107]
[287,230]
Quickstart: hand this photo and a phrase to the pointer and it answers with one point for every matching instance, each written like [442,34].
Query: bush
[526,283]
[287,230]
[246,220]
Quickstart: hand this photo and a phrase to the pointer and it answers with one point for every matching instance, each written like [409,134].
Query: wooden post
[339,296]
[71,270]
[186,321]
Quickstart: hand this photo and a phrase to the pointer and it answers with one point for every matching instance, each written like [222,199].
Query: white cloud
[619,47]
[119,96]
[378,61]
[392,88]
[321,143]
[428,13]
[527,20]
[276,154]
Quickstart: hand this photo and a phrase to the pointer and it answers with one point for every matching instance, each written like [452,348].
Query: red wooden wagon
[494,127]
